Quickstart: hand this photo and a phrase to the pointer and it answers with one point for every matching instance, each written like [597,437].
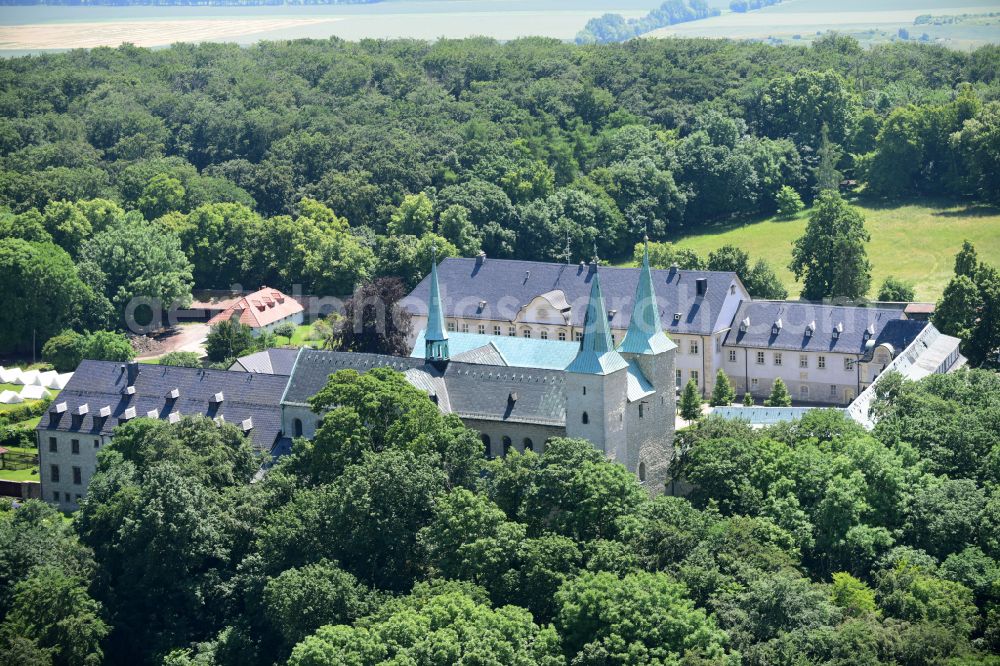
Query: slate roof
[479,392]
[268,362]
[467,389]
[506,285]
[264,306]
[886,325]
[509,350]
[100,384]
[313,368]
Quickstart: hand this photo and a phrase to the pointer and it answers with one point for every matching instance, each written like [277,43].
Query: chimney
[701,286]
[132,371]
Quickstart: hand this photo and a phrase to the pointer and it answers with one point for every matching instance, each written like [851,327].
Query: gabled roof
[99,384]
[488,354]
[269,362]
[259,309]
[857,325]
[597,355]
[474,391]
[512,350]
[313,368]
[504,286]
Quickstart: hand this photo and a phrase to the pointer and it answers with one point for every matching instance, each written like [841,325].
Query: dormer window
[677,317]
[217,398]
[810,328]
[612,313]
[129,390]
[174,417]
[246,425]
[152,414]
[837,330]
[174,394]
[745,325]
[776,327]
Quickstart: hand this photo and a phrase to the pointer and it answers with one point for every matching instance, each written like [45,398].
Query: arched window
[642,471]
[545,335]
[528,445]
[586,419]
[297,426]
[506,444]
[486,445]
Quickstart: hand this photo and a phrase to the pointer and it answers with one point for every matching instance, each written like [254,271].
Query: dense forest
[328,163]
[389,539]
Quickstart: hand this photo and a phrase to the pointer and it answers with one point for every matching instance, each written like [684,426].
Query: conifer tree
[691,402]
[779,395]
[748,399]
[723,394]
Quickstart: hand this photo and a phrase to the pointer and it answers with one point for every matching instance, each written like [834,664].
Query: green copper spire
[597,355]
[645,332]
[435,336]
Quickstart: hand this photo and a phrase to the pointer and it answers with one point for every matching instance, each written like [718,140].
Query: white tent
[35,393]
[44,378]
[10,398]
[27,377]
[9,375]
[59,381]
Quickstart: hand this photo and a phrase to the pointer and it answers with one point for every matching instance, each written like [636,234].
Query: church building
[520,392]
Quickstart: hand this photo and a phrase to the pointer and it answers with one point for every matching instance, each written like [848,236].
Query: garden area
[18,452]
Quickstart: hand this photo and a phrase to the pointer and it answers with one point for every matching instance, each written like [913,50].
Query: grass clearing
[916,242]
[28,474]
[300,338]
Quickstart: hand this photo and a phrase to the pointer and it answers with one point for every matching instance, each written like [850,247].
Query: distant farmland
[875,21]
[915,242]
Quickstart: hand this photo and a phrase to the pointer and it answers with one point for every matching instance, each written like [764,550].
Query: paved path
[188,337]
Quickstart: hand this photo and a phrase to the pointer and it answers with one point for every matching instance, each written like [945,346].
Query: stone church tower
[650,419]
[597,382]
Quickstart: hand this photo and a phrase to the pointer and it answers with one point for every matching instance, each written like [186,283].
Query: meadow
[868,21]
[916,241]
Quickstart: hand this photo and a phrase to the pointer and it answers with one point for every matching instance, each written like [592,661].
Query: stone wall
[66,493]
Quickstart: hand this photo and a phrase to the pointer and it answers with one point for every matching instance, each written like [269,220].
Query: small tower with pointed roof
[649,353]
[436,336]
[597,381]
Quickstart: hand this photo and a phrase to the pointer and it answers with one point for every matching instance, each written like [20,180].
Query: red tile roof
[260,308]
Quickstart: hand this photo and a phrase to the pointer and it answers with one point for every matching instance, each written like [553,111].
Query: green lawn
[28,474]
[915,242]
[300,338]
